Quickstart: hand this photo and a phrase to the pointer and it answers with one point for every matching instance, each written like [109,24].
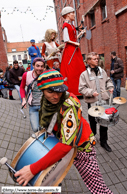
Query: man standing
[30,79]
[92,82]
[116,73]
[16,76]
[33,52]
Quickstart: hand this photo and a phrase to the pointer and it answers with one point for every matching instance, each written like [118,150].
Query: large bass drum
[34,149]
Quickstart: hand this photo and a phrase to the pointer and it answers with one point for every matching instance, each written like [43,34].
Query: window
[14,57]
[13,50]
[25,56]
[3,37]
[19,57]
[101,55]
[84,56]
[104,9]
[92,18]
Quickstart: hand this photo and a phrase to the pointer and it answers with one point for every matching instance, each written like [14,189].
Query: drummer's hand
[24,102]
[112,71]
[111,90]
[24,175]
[95,94]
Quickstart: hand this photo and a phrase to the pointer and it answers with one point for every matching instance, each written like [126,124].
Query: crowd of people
[55,86]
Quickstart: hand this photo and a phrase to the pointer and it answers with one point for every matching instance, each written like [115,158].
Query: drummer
[69,123]
[93,81]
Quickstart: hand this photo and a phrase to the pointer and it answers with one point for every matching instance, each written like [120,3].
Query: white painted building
[19,51]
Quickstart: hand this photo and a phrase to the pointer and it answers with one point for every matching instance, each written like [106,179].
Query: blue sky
[27,19]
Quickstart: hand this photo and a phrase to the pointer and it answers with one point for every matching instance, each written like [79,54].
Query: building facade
[3,51]
[19,51]
[107,20]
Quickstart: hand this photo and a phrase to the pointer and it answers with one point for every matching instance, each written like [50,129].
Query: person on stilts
[72,64]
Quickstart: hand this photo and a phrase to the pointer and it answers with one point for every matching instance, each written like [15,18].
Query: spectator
[21,65]
[3,90]
[10,86]
[29,80]
[10,66]
[56,66]
[116,73]
[28,68]
[85,63]
[93,81]
[16,76]
[33,51]
[100,62]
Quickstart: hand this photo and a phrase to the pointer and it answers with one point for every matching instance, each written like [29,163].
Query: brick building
[107,20]
[3,54]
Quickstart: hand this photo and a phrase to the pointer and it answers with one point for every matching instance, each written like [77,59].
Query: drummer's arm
[53,156]
[43,50]
[22,89]
[22,85]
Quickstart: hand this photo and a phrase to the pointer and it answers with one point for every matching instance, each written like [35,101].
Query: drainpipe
[75,15]
[57,21]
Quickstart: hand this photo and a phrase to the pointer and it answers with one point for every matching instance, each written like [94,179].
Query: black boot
[106,147]
[11,98]
[1,95]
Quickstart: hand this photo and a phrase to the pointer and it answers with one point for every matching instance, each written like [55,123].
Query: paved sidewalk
[15,130]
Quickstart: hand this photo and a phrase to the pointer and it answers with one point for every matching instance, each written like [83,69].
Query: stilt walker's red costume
[72,64]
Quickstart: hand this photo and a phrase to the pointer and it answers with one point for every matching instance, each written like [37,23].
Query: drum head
[119,100]
[96,111]
[32,150]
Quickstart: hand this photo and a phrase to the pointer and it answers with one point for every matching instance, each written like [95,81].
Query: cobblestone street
[15,130]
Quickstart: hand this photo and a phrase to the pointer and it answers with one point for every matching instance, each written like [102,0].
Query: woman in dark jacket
[9,86]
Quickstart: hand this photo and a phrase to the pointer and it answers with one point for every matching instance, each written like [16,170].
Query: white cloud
[25,26]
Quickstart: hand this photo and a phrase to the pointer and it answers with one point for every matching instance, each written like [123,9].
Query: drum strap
[94,77]
[52,123]
[79,135]
[98,88]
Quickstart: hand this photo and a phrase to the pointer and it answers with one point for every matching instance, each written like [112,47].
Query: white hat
[66,10]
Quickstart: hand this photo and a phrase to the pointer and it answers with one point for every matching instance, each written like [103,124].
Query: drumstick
[24,116]
[103,91]
[4,161]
